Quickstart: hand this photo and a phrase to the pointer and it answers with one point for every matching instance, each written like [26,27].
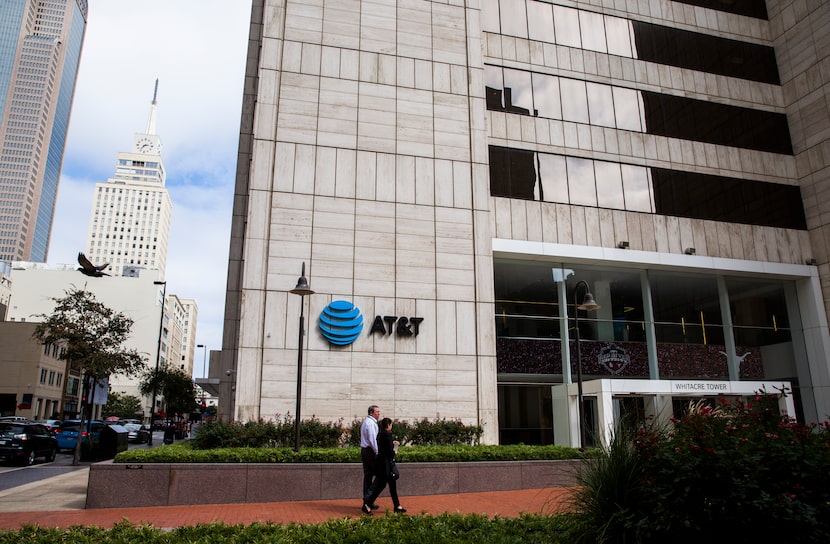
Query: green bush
[737,471]
[261,433]
[414,529]
[441,432]
[183,452]
[316,434]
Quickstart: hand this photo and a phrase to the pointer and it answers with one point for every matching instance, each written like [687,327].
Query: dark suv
[23,442]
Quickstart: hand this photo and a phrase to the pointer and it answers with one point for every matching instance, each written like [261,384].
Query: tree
[175,386]
[122,405]
[93,338]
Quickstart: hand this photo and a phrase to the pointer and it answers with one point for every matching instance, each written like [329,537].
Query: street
[15,475]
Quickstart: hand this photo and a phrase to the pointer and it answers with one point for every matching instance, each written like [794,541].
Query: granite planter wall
[121,485]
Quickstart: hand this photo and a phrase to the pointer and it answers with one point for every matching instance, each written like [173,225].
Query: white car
[14,419]
[137,433]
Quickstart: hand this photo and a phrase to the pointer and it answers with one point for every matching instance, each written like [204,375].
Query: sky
[197,51]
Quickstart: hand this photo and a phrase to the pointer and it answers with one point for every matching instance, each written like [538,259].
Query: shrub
[441,432]
[183,452]
[261,433]
[317,434]
[610,493]
[740,471]
[415,529]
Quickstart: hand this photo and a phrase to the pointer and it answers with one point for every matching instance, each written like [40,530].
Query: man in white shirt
[369,448]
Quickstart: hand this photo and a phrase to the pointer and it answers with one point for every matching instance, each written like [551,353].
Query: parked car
[51,424]
[12,419]
[137,433]
[67,432]
[24,442]
[125,421]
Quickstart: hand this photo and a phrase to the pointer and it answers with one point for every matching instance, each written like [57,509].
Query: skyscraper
[40,50]
[454,178]
[129,226]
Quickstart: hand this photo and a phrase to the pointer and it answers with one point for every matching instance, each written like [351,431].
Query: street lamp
[588,303]
[204,358]
[204,362]
[158,356]
[301,289]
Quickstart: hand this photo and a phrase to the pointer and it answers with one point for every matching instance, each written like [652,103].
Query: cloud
[197,49]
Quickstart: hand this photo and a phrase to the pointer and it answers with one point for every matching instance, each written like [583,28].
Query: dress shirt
[369,434]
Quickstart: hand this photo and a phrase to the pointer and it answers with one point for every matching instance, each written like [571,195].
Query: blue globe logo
[341,322]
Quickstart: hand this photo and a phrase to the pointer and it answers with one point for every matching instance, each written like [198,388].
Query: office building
[129,226]
[154,331]
[454,178]
[40,50]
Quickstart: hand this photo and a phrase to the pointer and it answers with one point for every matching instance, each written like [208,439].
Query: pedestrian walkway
[59,502]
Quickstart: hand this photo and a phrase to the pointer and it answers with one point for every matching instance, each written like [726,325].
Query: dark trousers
[381,481]
[367,455]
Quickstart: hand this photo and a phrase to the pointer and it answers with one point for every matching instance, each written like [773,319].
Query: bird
[90,269]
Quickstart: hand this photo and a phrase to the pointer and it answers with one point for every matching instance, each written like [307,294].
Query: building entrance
[618,404]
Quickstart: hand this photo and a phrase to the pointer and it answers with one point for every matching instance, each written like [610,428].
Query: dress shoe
[366,509]
[400,509]
[374,506]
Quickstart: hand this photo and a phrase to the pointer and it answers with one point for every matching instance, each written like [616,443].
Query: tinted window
[516,173]
[628,109]
[750,8]
[705,53]
[11,429]
[701,196]
[688,119]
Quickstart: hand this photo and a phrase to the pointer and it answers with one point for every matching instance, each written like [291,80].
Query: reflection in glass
[522,174]
[637,188]
[490,16]
[574,100]
[494,87]
[687,305]
[581,182]
[499,172]
[619,293]
[618,32]
[554,178]
[566,23]
[540,22]
[518,95]
[546,96]
[759,303]
[609,185]
[592,31]
[513,18]
[600,105]
[627,109]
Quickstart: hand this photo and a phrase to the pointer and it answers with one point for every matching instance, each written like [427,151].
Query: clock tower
[131,212]
[148,142]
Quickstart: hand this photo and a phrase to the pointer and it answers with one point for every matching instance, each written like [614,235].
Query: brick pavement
[494,503]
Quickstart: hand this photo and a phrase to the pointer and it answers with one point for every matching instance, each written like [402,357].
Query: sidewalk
[59,502]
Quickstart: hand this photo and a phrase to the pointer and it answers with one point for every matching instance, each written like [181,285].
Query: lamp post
[204,367]
[204,358]
[301,289]
[588,303]
[158,356]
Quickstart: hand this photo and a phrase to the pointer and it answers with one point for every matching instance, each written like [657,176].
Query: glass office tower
[40,50]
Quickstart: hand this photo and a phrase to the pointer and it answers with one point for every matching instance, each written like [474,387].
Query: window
[516,173]
[531,320]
